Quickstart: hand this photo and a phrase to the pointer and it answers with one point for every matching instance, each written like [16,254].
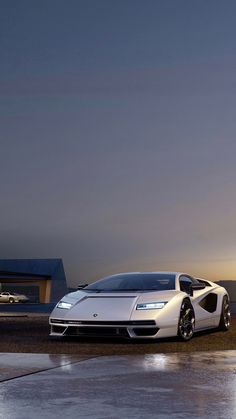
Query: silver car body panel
[116,314]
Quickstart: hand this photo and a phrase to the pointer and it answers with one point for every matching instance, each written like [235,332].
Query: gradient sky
[117,135]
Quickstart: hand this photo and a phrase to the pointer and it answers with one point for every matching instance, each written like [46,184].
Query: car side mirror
[196,287]
[81,286]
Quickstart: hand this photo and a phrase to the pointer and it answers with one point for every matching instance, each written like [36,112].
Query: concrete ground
[144,380]
[178,385]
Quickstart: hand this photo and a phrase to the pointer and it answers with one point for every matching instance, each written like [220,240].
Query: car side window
[185,283]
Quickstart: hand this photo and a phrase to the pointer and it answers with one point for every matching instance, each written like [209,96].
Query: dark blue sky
[117,133]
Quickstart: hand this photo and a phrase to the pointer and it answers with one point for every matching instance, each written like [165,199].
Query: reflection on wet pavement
[222,360]
[17,365]
[183,386]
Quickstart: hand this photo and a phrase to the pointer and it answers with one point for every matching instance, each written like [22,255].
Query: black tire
[11,300]
[186,321]
[225,317]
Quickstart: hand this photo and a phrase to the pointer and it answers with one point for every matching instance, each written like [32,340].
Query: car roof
[150,272]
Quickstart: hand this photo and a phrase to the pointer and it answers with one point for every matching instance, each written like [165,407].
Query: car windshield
[134,282]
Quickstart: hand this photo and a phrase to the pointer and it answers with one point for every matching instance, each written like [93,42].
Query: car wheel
[186,321]
[11,300]
[225,318]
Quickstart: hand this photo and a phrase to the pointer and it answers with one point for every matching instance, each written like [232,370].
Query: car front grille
[97,331]
[127,329]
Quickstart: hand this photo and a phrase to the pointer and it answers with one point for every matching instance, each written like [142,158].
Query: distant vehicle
[12,297]
[142,305]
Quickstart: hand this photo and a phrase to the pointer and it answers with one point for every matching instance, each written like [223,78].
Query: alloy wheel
[225,318]
[186,321]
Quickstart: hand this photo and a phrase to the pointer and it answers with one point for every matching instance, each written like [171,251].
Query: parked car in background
[12,297]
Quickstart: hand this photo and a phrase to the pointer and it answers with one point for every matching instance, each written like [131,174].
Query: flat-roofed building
[42,280]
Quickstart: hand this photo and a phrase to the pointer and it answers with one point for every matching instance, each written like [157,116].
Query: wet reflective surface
[183,385]
[17,365]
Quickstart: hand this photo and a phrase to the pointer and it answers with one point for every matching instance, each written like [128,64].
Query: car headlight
[151,306]
[64,304]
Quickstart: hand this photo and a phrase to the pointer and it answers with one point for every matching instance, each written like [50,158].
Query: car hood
[108,306]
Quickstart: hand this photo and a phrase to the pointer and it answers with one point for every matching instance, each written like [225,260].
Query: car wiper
[97,291]
[112,290]
[92,290]
[130,289]
[124,290]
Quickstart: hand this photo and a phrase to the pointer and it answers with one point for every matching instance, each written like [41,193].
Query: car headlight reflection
[151,306]
[64,304]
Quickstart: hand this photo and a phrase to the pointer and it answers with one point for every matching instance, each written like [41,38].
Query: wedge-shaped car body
[142,305]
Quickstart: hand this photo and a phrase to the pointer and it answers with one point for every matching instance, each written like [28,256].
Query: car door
[203,319]
[4,297]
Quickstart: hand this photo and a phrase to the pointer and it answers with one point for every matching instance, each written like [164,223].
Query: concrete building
[42,280]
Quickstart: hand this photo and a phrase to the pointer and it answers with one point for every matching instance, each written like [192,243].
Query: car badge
[95,315]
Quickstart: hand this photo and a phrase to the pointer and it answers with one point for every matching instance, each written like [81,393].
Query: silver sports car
[142,305]
[12,297]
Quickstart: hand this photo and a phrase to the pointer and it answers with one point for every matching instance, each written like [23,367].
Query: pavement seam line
[48,369]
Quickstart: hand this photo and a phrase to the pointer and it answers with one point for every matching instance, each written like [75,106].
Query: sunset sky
[118,135]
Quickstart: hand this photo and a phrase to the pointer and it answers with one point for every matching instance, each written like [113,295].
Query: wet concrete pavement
[179,385]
